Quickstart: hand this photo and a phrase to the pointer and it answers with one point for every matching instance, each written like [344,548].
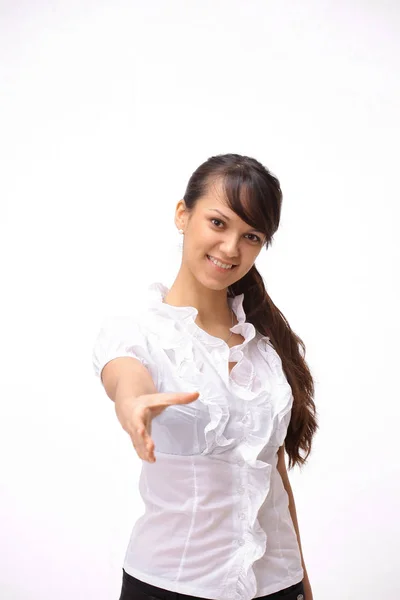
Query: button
[242,516]
[241,542]
[241,489]
[300,597]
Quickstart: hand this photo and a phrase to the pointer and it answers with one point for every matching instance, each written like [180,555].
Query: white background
[106,109]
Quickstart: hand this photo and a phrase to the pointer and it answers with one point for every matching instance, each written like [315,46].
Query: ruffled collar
[186,315]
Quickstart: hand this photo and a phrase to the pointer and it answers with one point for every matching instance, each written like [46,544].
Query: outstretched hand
[136,414]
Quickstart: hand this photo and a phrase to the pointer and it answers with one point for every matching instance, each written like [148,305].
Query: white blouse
[216,522]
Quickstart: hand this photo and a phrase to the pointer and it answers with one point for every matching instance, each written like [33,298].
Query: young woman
[210,384]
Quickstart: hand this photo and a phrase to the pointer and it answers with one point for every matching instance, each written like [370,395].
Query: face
[213,232]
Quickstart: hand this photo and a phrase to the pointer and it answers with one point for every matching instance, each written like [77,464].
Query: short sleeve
[121,336]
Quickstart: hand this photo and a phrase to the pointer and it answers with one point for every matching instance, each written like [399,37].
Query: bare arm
[281,466]
[126,377]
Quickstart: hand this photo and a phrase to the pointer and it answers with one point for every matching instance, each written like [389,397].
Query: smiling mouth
[222,268]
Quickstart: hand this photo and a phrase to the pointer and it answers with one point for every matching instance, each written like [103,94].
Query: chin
[212,282]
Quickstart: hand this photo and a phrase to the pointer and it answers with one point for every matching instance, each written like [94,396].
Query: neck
[212,305]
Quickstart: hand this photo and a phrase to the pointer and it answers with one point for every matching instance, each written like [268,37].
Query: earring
[180,231]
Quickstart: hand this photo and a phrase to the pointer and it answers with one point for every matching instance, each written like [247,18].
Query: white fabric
[216,523]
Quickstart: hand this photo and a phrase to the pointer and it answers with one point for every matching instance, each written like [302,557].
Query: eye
[255,238]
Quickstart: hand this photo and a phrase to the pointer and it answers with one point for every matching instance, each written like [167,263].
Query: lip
[221,269]
[224,262]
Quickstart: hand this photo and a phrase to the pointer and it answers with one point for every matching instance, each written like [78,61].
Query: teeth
[216,262]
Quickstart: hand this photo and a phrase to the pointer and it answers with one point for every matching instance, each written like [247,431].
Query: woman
[209,382]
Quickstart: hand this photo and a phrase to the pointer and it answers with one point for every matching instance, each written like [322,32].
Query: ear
[180,215]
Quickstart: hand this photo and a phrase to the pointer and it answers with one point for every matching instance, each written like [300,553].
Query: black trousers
[134,589]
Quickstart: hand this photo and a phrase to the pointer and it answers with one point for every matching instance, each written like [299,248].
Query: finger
[148,446]
[165,399]
[143,442]
[144,449]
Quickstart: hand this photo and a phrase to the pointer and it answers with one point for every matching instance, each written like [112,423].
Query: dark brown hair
[254,194]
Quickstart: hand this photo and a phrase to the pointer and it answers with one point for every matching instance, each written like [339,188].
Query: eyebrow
[221,213]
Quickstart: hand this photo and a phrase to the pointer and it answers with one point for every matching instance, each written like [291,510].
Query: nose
[229,247]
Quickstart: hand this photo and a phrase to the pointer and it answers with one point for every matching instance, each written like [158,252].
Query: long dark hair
[255,195]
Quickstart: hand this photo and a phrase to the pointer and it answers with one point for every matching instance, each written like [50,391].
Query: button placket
[246,418]
[244,422]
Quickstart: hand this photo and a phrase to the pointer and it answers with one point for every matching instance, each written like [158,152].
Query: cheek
[197,246]
[205,240]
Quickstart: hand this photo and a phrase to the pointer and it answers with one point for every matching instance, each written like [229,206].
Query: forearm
[126,377]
